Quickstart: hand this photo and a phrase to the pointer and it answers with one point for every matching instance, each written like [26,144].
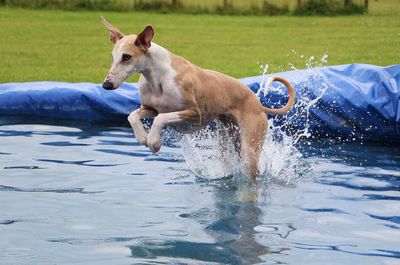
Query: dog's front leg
[153,138]
[137,125]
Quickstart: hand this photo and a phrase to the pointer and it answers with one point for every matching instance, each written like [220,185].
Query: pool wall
[355,101]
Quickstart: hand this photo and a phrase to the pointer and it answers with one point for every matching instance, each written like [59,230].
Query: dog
[176,92]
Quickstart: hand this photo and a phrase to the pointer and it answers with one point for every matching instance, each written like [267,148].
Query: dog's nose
[108,85]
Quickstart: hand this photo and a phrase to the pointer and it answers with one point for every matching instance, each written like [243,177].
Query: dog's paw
[154,147]
[142,139]
[154,143]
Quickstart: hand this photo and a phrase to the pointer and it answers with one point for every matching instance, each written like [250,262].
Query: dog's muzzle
[108,85]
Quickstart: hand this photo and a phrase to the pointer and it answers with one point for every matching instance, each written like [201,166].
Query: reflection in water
[237,215]
[231,223]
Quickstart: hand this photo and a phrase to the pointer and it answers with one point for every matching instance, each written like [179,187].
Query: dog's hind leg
[253,128]
[228,143]
[228,132]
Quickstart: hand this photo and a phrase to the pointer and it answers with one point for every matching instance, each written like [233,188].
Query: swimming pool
[93,195]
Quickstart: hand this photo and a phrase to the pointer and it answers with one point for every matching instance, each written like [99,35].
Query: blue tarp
[356,101]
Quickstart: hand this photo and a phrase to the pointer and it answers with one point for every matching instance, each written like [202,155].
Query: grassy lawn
[74,46]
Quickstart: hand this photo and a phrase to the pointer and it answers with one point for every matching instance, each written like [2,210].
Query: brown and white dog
[176,92]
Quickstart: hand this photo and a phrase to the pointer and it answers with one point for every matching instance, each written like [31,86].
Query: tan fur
[289,104]
[181,94]
[219,96]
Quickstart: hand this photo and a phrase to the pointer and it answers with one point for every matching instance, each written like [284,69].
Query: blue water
[93,195]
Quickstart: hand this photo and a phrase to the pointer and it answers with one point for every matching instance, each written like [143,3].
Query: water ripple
[381,197]
[63,143]
[340,248]
[324,210]
[359,186]
[8,222]
[282,230]
[119,152]
[79,163]
[118,143]
[76,241]
[54,190]
[166,157]
[204,252]
[24,167]
[393,219]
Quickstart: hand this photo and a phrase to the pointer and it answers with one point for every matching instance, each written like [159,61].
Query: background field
[74,46]
[185,6]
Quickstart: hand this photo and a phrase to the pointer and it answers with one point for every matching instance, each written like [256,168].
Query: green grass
[74,46]
[184,6]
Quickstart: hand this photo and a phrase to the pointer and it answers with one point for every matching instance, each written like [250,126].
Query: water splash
[281,160]
[263,82]
[203,154]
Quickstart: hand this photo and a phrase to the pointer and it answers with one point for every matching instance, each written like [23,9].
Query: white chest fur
[157,86]
[164,97]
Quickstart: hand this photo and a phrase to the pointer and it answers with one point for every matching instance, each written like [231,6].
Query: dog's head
[128,54]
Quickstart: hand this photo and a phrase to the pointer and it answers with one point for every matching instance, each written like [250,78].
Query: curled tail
[290,102]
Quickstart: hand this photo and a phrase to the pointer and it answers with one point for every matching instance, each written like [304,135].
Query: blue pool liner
[357,101]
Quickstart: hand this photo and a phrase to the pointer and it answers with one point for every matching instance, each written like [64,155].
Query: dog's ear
[143,40]
[115,34]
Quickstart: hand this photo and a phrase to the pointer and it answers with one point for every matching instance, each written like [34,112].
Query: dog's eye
[126,57]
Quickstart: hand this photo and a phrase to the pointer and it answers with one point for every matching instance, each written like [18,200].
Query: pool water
[93,195]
